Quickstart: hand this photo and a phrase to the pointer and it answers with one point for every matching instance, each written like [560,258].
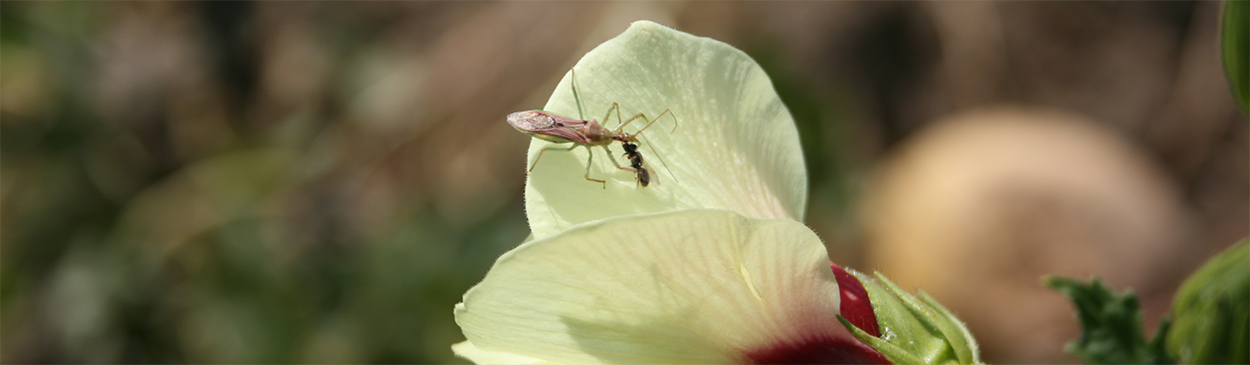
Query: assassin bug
[580,132]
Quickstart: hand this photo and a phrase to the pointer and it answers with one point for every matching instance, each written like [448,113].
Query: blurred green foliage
[1209,322]
[145,221]
[288,182]
[1235,46]
[1111,325]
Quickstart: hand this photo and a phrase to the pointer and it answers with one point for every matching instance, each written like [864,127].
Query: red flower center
[833,350]
[819,351]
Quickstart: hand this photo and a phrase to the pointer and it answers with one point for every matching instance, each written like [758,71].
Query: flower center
[818,351]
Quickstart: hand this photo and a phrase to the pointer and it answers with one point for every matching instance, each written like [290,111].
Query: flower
[689,286]
[710,266]
[735,145]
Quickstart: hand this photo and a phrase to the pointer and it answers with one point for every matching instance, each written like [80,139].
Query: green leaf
[1235,39]
[734,146]
[1212,310]
[1111,325]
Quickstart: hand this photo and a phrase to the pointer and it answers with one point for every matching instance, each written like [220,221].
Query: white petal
[691,286]
[735,145]
[478,356]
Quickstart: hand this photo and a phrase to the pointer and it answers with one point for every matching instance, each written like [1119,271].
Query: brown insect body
[582,133]
[554,128]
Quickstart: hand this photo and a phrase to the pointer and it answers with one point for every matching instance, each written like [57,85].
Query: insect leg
[617,108]
[591,157]
[670,114]
[605,148]
[575,98]
[540,155]
[652,121]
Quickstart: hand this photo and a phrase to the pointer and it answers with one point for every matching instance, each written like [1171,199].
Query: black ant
[635,159]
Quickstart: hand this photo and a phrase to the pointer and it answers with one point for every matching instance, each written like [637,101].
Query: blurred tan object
[977,207]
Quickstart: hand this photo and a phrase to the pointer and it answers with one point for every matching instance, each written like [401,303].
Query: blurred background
[281,182]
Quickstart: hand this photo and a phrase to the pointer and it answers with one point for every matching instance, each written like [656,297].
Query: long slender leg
[617,108]
[670,114]
[591,154]
[649,122]
[570,148]
[605,149]
[621,127]
[540,155]
[575,98]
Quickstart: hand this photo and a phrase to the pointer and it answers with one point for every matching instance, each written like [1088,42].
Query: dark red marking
[855,304]
[835,350]
[819,351]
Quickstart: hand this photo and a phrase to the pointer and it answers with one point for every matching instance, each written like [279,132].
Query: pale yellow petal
[691,286]
[468,351]
[735,145]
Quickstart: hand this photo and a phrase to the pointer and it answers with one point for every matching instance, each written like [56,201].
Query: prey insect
[582,133]
[641,168]
[636,162]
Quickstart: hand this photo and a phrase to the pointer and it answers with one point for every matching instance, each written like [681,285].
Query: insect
[635,159]
[641,168]
[581,133]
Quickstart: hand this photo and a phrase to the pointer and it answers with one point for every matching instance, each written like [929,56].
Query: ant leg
[540,155]
[591,153]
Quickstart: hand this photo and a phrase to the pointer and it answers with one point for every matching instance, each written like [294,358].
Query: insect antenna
[657,156]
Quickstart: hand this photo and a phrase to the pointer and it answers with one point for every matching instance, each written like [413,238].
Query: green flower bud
[1212,311]
[914,330]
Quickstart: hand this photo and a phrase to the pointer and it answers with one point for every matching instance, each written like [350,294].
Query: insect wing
[547,126]
[645,176]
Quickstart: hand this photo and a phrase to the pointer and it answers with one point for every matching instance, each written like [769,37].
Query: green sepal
[1111,325]
[896,354]
[914,331]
